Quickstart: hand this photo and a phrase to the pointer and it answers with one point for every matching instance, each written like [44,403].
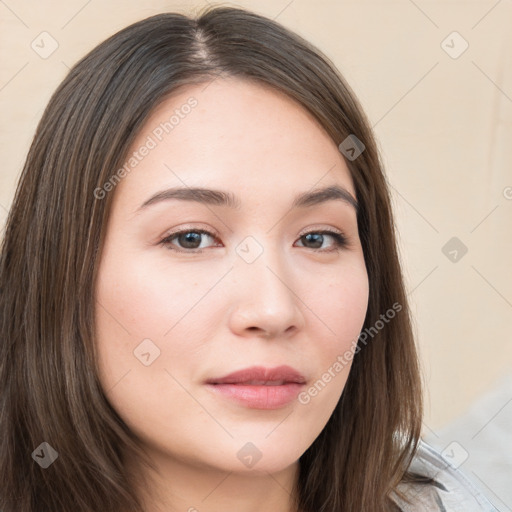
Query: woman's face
[174,312]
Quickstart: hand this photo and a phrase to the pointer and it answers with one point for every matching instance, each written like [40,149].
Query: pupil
[316,236]
[189,239]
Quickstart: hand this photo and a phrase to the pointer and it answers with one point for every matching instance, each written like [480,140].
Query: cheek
[129,301]
[343,304]
[148,308]
[136,307]
[337,313]
[146,300]
[342,309]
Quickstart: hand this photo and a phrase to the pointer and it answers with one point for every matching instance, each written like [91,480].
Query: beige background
[444,126]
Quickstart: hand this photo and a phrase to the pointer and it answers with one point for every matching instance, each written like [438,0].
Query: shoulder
[449,491]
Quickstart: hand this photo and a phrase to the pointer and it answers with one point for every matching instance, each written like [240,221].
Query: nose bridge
[264,260]
[267,299]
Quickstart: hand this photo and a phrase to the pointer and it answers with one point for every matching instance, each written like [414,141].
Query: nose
[267,305]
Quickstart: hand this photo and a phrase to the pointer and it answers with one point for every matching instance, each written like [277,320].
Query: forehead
[234,133]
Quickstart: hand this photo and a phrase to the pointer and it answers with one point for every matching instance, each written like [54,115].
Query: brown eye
[318,237]
[189,240]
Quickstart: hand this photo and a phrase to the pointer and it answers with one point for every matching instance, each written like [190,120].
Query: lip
[260,373]
[284,384]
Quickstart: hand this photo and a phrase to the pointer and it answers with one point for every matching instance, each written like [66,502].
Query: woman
[253,371]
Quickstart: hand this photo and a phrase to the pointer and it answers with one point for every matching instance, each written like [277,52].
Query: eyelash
[340,240]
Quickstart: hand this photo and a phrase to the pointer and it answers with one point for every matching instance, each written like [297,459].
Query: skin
[212,313]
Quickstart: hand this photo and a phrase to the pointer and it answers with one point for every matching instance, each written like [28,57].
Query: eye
[190,240]
[318,237]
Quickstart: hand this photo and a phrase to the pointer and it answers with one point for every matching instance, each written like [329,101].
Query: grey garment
[451,492]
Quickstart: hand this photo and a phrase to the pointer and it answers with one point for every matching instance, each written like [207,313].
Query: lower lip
[259,397]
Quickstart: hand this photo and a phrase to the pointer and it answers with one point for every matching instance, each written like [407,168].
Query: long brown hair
[50,392]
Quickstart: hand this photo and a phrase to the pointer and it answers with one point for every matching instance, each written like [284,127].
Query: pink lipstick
[260,388]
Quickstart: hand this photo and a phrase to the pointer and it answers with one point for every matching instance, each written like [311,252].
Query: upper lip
[283,373]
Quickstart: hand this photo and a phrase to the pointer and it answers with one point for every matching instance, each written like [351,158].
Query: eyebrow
[228,199]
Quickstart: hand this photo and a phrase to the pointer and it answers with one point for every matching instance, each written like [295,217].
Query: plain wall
[443,122]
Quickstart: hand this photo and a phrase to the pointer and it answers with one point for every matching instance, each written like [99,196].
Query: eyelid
[319,229]
[200,228]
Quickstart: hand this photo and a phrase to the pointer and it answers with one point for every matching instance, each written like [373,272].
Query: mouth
[260,383]
[259,387]
[259,376]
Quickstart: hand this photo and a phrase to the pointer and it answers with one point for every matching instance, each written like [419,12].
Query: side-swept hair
[49,386]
